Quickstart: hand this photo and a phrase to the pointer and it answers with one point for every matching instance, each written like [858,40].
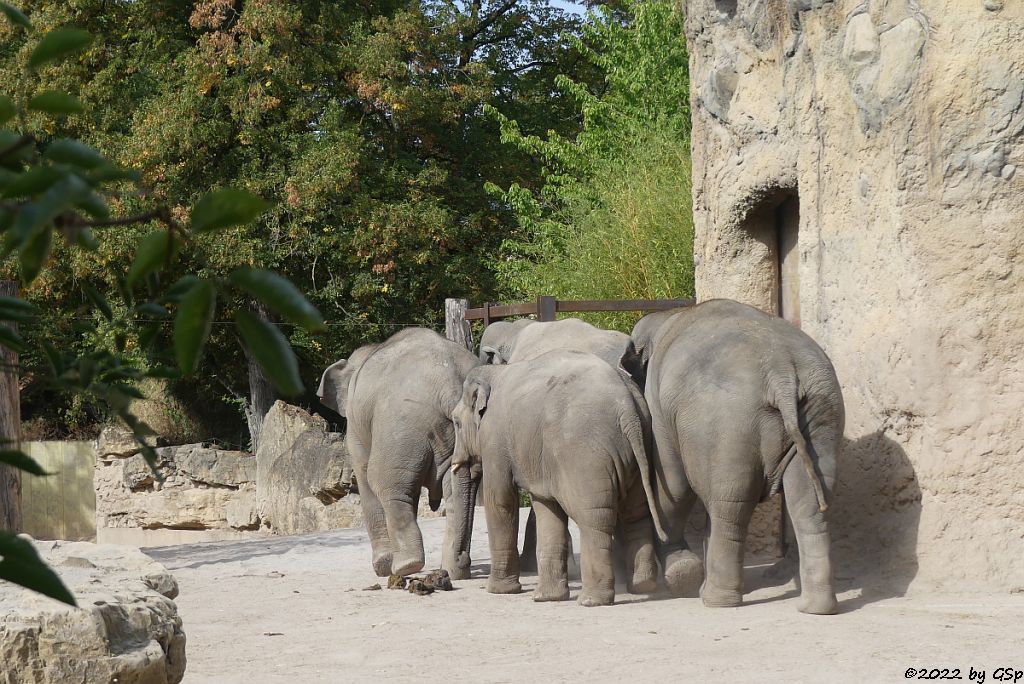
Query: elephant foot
[591,599]
[407,566]
[818,603]
[684,573]
[503,586]
[643,586]
[382,564]
[542,596]
[459,569]
[714,597]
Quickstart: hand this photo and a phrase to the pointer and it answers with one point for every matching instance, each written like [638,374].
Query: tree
[60,188]
[613,217]
[364,125]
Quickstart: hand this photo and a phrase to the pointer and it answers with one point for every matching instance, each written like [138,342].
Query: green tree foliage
[54,188]
[612,219]
[362,123]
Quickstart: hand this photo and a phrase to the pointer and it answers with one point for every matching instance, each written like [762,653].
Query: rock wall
[199,488]
[126,628]
[887,134]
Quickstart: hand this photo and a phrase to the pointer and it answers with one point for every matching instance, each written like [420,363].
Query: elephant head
[334,383]
[466,417]
[646,331]
[499,338]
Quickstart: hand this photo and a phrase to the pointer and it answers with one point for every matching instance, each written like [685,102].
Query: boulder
[302,480]
[127,627]
[213,466]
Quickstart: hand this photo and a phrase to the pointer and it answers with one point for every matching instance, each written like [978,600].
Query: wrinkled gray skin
[573,432]
[498,339]
[743,404]
[525,339]
[647,328]
[398,397]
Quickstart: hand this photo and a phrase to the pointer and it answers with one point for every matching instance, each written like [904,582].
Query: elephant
[736,396]
[498,339]
[573,432]
[525,339]
[646,329]
[398,398]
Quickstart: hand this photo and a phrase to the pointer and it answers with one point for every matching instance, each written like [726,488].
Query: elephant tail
[787,399]
[634,432]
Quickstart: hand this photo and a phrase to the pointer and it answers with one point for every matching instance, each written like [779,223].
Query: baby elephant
[573,431]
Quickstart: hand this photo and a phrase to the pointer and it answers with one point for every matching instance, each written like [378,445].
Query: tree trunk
[10,427]
[261,392]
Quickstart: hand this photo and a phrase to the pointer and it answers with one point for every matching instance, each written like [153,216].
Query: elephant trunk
[459,510]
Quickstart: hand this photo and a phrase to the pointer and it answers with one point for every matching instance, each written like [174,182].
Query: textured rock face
[302,476]
[898,127]
[126,630]
[202,489]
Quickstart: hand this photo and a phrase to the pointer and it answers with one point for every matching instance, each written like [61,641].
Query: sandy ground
[294,609]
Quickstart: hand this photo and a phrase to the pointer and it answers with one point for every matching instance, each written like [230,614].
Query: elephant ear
[479,393]
[633,364]
[489,354]
[333,389]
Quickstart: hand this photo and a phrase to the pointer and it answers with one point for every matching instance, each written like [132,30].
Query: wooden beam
[10,427]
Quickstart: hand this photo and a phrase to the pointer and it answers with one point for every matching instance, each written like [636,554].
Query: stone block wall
[885,136]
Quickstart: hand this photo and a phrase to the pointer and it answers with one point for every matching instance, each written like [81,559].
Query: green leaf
[53,102]
[15,15]
[108,173]
[178,290]
[34,253]
[226,208]
[22,461]
[150,255]
[12,340]
[192,324]
[279,294]
[272,351]
[17,304]
[66,151]
[151,310]
[98,300]
[58,44]
[7,109]
[33,182]
[22,565]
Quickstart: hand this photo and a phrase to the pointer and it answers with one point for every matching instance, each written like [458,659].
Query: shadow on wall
[875,513]
[876,518]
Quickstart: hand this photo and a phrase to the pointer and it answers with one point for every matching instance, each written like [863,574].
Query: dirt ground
[294,609]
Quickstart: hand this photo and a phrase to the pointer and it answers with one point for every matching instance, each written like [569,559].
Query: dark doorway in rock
[726,7]
[787,228]
[774,223]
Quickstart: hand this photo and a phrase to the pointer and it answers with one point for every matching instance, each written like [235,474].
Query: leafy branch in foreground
[63,189]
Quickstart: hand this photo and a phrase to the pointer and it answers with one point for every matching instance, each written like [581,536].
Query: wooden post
[456,327]
[546,308]
[10,427]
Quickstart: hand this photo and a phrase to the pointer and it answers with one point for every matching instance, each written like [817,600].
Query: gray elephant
[498,338]
[398,397]
[743,404]
[646,329]
[573,432]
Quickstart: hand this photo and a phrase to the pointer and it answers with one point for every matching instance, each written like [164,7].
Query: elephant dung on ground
[743,404]
[398,398]
[573,432]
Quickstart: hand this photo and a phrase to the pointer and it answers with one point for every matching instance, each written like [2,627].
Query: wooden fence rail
[458,314]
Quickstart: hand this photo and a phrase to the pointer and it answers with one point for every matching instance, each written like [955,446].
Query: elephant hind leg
[596,559]
[398,490]
[724,584]
[636,543]
[552,552]
[373,511]
[817,587]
